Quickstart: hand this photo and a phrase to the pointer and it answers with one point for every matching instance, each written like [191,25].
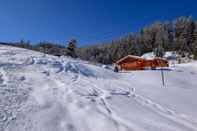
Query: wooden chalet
[132,62]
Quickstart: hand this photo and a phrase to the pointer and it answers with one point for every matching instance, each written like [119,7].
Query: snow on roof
[148,56]
[129,56]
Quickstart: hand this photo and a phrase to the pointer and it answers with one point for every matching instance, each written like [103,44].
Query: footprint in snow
[29,61]
[71,127]
[179,71]
[193,73]
[22,78]
[70,99]
[3,116]
[46,73]
[1,79]
[170,112]
[80,105]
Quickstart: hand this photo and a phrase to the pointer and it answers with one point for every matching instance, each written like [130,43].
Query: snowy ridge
[45,93]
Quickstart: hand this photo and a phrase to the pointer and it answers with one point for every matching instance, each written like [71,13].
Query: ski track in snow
[68,95]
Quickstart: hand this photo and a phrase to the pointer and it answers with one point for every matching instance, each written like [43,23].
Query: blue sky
[89,21]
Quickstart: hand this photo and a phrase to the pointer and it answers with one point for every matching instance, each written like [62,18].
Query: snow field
[45,93]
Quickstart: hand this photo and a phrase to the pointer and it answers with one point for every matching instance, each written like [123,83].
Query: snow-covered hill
[47,93]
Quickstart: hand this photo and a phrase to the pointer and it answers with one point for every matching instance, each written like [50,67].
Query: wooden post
[162,76]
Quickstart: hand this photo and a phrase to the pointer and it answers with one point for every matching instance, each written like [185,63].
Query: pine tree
[184,27]
[194,45]
[71,47]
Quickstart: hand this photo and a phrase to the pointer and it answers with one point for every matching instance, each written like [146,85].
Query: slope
[44,93]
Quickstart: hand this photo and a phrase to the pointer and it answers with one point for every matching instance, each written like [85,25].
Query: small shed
[132,62]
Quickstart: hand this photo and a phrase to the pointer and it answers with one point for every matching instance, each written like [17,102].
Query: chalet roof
[129,56]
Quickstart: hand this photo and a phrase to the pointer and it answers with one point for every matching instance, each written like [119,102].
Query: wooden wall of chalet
[135,65]
[140,64]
